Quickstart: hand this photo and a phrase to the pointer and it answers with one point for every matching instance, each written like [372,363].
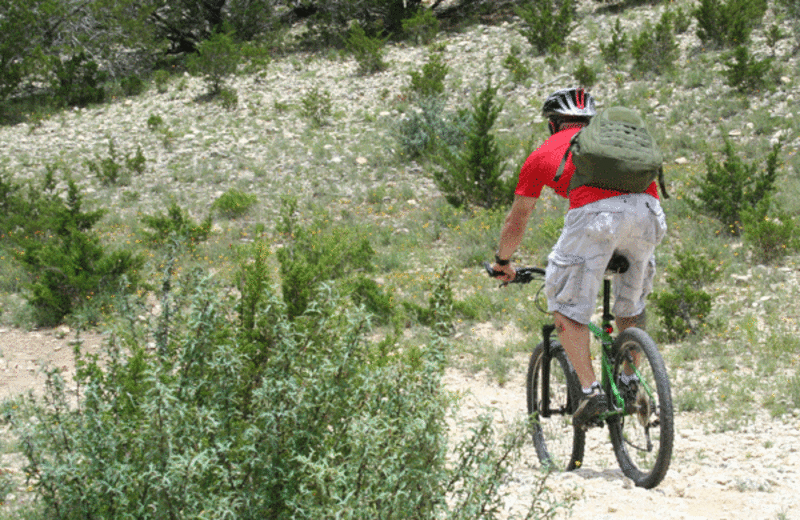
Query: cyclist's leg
[631,289]
[638,321]
[623,323]
[574,274]
[574,336]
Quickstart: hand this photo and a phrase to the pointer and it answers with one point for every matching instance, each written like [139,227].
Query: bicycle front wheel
[643,436]
[558,444]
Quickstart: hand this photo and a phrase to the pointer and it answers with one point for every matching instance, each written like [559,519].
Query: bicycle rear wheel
[558,444]
[643,437]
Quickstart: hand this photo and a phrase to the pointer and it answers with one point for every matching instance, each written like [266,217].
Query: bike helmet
[568,105]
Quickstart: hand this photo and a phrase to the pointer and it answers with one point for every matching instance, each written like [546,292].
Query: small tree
[613,52]
[685,305]
[771,232]
[316,254]
[729,23]
[730,187]
[78,81]
[545,26]
[367,50]
[473,175]
[655,49]
[216,59]
[429,82]
[176,227]
[67,264]
[745,73]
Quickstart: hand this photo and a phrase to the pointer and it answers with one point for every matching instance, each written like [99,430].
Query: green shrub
[217,58]
[685,305]
[543,27]
[472,175]
[176,227]
[655,50]
[614,51]
[367,50]
[427,127]
[234,203]
[430,81]
[315,254]
[746,74]
[729,23]
[371,295]
[681,20]
[78,81]
[154,122]
[516,66]
[585,75]
[771,233]
[316,106]
[422,28]
[67,265]
[161,78]
[442,309]
[111,171]
[132,85]
[228,98]
[319,423]
[730,187]
[773,36]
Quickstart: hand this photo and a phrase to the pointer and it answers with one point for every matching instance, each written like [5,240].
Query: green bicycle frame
[603,334]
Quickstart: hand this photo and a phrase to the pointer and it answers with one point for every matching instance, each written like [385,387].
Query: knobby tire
[643,439]
[558,444]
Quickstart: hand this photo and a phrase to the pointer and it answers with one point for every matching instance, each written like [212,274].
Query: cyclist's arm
[513,232]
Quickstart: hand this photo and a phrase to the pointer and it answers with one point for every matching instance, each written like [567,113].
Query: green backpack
[616,152]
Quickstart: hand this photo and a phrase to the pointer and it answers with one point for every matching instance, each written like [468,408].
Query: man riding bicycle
[599,223]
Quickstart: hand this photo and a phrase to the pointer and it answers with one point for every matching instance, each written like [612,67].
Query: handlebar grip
[491,272]
[524,274]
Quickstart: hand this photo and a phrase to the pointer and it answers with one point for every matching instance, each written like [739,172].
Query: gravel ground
[751,474]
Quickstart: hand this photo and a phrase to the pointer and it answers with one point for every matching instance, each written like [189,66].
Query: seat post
[607,316]
[547,331]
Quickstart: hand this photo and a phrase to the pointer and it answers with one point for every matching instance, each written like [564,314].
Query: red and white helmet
[569,103]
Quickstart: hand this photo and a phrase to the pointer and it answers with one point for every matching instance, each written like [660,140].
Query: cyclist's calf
[639,321]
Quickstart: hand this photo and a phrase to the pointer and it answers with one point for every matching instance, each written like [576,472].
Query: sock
[625,378]
[591,388]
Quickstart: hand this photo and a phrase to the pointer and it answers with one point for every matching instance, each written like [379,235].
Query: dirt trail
[751,474]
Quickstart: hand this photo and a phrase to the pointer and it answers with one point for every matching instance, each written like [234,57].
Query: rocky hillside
[265,146]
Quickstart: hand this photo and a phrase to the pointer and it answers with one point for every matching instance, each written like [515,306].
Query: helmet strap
[566,125]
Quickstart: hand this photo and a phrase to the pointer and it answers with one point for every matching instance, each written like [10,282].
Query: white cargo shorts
[632,225]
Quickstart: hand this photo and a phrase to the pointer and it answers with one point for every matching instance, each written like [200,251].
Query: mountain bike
[640,424]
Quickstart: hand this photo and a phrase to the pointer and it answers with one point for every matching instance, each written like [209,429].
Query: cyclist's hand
[507,272]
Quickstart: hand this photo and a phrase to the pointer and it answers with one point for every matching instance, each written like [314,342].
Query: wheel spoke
[643,438]
[558,444]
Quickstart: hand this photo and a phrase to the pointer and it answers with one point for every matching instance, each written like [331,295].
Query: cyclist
[598,223]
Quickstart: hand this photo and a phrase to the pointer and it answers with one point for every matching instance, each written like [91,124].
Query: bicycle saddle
[617,264]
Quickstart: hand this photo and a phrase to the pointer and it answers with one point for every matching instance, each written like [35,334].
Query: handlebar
[524,274]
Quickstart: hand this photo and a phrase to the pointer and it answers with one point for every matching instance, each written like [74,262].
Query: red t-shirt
[540,167]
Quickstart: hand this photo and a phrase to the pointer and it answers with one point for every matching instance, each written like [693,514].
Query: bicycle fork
[547,331]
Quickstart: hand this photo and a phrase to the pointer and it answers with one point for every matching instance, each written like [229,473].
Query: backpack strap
[661,183]
[561,166]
